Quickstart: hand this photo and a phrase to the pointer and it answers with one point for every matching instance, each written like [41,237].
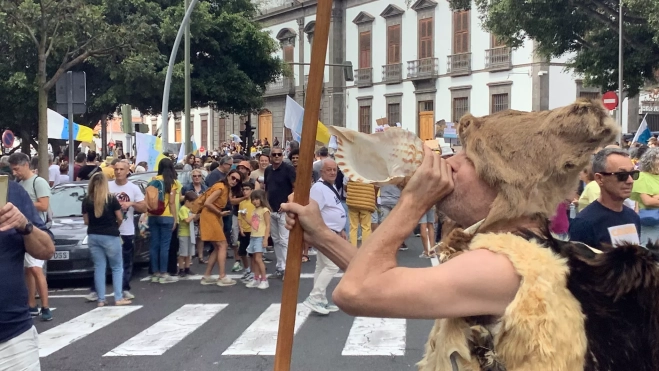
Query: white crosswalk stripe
[167,332]
[376,337]
[260,338]
[367,336]
[69,332]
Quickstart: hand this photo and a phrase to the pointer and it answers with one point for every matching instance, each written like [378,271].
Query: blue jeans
[102,248]
[160,229]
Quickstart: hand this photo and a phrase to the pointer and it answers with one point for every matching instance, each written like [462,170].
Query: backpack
[198,204]
[155,197]
[49,212]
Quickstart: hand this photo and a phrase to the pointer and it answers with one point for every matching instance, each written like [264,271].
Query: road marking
[72,296]
[197,277]
[376,337]
[260,338]
[69,332]
[167,332]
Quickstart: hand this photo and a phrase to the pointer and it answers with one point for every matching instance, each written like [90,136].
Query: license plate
[60,255]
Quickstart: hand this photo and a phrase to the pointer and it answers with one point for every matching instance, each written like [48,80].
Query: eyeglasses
[624,175]
[276,154]
[235,178]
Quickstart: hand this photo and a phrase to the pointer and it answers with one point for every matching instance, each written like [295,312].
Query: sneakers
[252,284]
[181,273]
[248,276]
[46,315]
[237,267]
[315,306]
[188,272]
[128,295]
[208,281]
[226,281]
[168,279]
[403,247]
[263,285]
[332,308]
[92,296]
[266,260]
[34,311]
[279,273]
[155,279]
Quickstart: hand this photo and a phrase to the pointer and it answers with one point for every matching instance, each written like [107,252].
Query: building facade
[414,63]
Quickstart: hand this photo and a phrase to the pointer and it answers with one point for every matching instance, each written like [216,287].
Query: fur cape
[533,159]
[618,289]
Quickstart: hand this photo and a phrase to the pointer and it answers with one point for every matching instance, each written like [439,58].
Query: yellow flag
[322,134]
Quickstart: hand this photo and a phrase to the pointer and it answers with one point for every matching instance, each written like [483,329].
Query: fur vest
[360,196]
[577,309]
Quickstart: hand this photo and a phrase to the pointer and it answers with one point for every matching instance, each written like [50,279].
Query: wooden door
[265,127]
[426,126]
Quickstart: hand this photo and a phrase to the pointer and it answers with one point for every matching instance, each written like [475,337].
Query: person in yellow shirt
[186,239]
[245,210]
[108,169]
[591,191]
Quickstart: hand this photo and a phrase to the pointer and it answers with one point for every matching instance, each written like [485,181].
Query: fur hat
[533,159]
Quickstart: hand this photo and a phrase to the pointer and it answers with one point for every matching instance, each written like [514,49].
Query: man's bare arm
[39,244]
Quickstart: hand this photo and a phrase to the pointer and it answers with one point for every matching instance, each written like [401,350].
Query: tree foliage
[124,47]
[587,30]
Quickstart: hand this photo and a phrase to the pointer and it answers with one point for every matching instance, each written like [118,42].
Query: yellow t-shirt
[243,219]
[175,187]
[258,222]
[108,171]
[183,226]
[591,192]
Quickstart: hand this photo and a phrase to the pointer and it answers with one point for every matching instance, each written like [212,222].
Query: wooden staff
[302,186]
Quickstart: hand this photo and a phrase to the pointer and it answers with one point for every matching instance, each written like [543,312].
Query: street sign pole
[69,88]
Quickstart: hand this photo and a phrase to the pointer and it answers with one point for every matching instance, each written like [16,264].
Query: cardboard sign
[623,233]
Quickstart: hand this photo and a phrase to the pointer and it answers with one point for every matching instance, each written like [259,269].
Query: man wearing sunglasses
[607,220]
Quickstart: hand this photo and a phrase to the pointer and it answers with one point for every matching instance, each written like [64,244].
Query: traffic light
[141,128]
[247,135]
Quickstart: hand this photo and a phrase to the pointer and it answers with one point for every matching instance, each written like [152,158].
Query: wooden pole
[302,186]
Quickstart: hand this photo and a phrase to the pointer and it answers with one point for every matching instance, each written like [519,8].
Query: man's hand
[431,182]
[125,205]
[11,218]
[309,217]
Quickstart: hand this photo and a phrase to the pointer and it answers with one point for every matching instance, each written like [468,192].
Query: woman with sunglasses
[197,186]
[211,223]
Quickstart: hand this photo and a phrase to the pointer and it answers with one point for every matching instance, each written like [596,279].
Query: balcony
[392,73]
[458,64]
[498,59]
[427,68]
[364,77]
[282,86]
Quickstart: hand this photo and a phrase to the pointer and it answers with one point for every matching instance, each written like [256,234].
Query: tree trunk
[42,137]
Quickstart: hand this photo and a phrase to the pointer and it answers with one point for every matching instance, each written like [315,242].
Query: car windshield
[67,201]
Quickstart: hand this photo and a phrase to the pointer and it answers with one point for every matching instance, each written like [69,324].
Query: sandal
[123,302]
[203,261]
[305,258]
[101,304]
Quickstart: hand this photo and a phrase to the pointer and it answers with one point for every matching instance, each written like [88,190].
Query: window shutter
[365,50]
[289,53]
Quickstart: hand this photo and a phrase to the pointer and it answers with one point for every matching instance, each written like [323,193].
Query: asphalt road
[187,326]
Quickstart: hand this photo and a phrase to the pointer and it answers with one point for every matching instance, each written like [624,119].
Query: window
[460,108]
[204,133]
[393,44]
[288,135]
[426,106]
[589,94]
[365,119]
[461,32]
[499,102]
[365,49]
[425,38]
[222,129]
[289,55]
[495,42]
[177,131]
[393,113]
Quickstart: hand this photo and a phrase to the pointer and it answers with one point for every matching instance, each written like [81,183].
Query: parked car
[72,258]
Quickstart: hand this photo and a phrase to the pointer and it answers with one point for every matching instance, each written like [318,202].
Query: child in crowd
[186,239]
[245,210]
[258,239]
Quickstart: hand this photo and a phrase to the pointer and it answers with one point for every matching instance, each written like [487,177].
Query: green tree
[586,28]
[70,32]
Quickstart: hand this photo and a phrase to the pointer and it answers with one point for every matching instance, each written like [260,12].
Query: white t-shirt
[53,174]
[64,178]
[128,192]
[331,209]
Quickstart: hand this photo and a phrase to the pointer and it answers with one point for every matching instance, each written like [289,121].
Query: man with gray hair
[220,172]
[607,220]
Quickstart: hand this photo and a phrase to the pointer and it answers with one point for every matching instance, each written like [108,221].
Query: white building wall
[562,86]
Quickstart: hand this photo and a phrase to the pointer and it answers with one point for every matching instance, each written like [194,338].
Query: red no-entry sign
[610,100]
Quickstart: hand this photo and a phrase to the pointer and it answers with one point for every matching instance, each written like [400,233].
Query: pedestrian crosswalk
[367,336]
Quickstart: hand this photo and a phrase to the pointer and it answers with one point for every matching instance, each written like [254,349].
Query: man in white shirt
[331,210]
[131,199]
[53,171]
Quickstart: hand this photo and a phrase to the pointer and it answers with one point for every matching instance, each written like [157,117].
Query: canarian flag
[293,119]
[149,149]
[181,152]
[643,134]
[58,128]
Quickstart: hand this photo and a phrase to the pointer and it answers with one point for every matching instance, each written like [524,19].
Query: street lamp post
[188,125]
